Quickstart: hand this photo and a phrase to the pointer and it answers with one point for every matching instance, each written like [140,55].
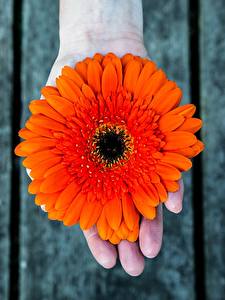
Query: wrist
[93,26]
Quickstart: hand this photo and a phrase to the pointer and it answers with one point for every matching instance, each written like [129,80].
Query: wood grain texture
[55,262]
[213,113]
[166,38]
[6,70]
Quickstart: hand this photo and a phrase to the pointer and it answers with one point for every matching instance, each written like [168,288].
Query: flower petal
[50,202]
[87,91]
[40,131]
[110,232]
[131,75]
[113,212]
[68,89]
[56,215]
[36,158]
[179,139]
[109,80]
[177,160]
[34,186]
[167,172]
[114,239]
[90,214]
[160,95]
[171,186]
[161,191]
[99,57]
[81,68]
[146,72]
[61,105]
[149,212]
[26,134]
[123,231]
[42,198]
[39,170]
[168,101]
[34,145]
[49,90]
[187,152]
[94,74]
[191,125]
[186,110]
[148,192]
[118,66]
[126,58]
[54,169]
[130,213]
[198,147]
[170,122]
[72,215]
[42,107]
[133,235]
[73,75]
[153,84]
[46,122]
[55,182]
[103,226]
[67,195]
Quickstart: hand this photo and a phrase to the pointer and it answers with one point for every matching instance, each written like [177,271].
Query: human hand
[79,39]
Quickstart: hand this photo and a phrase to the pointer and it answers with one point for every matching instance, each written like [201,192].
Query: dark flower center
[112,144]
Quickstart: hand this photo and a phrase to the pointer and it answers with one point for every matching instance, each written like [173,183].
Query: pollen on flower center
[112,144]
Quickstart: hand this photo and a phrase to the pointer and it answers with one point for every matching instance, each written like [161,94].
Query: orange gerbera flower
[107,144]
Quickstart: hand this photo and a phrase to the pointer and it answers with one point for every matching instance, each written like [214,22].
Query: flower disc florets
[112,145]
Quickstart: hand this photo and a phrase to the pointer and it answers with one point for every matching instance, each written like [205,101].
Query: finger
[174,201]
[131,258]
[150,236]
[104,252]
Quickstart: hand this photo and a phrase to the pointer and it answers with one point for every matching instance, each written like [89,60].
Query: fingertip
[150,237]
[134,272]
[131,258]
[174,202]
[175,208]
[103,251]
[107,261]
[151,252]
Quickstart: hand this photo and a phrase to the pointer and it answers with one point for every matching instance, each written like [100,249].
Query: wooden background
[43,260]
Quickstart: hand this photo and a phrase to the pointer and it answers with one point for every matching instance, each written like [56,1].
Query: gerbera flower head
[108,143]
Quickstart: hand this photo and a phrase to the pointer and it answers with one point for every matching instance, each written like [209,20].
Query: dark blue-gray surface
[213,112]
[5,141]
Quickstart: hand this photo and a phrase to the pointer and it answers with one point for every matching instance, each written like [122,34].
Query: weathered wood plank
[213,111]
[171,275]
[6,68]
[55,262]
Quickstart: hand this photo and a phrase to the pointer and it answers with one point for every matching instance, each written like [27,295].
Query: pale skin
[91,26]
